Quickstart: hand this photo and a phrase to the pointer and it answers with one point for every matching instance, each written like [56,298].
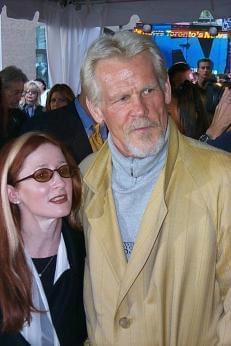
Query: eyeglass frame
[52,171]
[32,92]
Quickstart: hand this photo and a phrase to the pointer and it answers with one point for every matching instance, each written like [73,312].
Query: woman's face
[41,201]
[31,96]
[58,100]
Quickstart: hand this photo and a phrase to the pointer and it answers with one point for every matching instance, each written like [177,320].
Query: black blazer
[16,118]
[38,110]
[66,301]
[65,124]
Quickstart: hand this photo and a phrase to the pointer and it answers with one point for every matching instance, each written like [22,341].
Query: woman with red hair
[41,247]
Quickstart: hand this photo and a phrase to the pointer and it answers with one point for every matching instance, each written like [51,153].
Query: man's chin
[140,150]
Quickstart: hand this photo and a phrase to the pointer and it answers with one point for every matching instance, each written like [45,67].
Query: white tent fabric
[67,41]
[118,12]
[70,32]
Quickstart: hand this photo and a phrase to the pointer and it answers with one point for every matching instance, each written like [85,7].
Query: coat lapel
[148,233]
[101,213]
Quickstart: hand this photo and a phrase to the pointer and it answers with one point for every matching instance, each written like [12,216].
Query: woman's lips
[59,199]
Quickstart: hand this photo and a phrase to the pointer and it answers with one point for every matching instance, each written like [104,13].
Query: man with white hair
[155,210]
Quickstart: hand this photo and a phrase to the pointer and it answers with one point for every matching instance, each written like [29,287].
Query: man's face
[204,71]
[13,94]
[132,104]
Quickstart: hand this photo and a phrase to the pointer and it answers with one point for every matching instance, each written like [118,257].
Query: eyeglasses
[32,92]
[43,175]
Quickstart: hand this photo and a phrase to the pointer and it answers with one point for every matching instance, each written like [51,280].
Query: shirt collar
[87,120]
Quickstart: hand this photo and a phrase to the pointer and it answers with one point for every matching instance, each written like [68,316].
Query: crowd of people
[115,227]
[196,104]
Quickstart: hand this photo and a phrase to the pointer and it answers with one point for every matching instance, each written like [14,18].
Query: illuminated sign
[188,33]
[179,33]
[190,42]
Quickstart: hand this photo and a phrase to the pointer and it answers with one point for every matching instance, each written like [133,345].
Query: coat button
[124,322]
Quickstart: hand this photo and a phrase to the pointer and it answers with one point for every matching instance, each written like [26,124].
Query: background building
[23,44]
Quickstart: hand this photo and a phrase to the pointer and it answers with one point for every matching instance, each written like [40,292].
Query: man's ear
[167,92]
[95,111]
[13,194]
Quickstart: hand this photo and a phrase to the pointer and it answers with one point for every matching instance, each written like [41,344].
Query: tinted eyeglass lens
[45,174]
[65,171]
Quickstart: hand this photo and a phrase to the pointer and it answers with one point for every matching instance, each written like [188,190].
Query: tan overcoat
[176,288]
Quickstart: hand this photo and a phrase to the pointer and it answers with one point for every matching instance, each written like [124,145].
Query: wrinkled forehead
[125,69]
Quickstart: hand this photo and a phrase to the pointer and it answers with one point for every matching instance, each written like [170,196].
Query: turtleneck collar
[137,167]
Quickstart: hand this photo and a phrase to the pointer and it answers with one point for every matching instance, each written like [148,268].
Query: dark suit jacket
[38,110]
[16,118]
[66,300]
[65,124]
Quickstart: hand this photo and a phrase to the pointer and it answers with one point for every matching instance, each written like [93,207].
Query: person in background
[42,84]
[208,88]
[204,71]
[73,125]
[60,95]
[187,110]
[3,118]
[13,80]
[31,99]
[44,90]
[155,210]
[186,107]
[178,73]
[41,246]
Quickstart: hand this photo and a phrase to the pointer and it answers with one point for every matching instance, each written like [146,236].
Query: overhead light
[213,31]
[147,28]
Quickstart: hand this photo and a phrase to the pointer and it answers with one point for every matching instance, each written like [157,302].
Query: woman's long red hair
[15,277]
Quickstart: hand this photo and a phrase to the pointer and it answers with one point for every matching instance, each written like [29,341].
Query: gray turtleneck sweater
[133,181]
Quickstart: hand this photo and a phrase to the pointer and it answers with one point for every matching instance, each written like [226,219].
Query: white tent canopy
[71,31]
[118,12]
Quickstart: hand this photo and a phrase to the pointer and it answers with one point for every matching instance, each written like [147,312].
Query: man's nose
[138,106]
